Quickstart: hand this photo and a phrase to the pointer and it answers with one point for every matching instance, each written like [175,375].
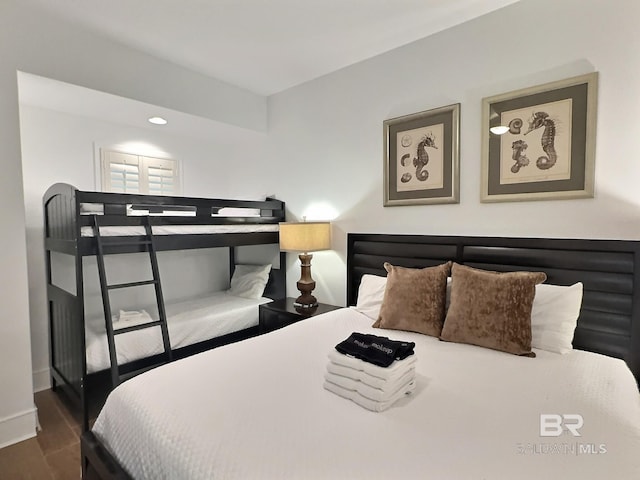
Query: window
[128,173]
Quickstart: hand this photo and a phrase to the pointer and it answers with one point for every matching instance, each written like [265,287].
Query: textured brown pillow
[414,299]
[491,309]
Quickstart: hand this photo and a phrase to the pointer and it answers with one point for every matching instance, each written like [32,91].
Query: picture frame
[548,149]
[422,157]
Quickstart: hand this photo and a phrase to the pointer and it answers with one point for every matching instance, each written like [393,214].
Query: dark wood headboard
[609,321]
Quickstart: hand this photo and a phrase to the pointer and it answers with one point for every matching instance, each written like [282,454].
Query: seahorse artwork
[538,120]
[407,176]
[519,146]
[422,157]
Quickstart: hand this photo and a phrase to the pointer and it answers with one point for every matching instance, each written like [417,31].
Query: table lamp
[305,237]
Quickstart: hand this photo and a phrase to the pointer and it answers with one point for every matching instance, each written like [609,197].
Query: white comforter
[258,410]
[189,322]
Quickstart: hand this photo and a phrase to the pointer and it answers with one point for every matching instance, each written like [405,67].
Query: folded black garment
[374,349]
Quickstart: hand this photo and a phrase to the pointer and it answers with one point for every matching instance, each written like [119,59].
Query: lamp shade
[305,236]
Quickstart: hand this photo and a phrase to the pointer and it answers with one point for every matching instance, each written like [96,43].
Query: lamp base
[305,301]
[305,310]
[306,284]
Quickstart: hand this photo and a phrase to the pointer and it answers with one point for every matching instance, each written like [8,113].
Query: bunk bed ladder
[147,244]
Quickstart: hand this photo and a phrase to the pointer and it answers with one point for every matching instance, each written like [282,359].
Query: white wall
[32,42]
[327,134]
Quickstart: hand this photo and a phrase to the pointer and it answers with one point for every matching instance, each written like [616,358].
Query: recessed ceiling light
[499,130]
[157,121]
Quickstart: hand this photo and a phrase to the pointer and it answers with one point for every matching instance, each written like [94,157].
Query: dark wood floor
[54,454]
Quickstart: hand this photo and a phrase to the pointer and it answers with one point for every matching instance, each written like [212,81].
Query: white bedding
[189,322]
[123,231]
[258,410]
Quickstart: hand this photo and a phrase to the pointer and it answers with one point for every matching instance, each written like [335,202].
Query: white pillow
[239,212]
[91,209]
[554,316]
[370,295]
[248,281]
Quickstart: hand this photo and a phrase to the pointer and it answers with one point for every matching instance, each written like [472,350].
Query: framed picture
[421,157]
[539,143]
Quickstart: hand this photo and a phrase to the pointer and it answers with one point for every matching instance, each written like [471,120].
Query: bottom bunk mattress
[189,322]
[257,409]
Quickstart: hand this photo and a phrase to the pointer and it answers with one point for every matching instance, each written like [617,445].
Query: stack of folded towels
[372,371]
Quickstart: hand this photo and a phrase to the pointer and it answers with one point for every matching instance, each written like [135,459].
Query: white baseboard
[41,380]
[18,427]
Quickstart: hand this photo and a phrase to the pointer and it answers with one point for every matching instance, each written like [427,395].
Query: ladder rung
[132,284]
[128,375]
[139,326]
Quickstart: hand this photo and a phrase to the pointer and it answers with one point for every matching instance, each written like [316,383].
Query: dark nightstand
[280,313]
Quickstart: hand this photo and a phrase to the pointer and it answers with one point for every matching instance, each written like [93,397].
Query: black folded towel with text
[374,349]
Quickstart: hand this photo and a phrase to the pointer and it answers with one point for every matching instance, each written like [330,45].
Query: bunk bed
[83,223]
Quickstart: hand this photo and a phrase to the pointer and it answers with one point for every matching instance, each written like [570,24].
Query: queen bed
[475,412]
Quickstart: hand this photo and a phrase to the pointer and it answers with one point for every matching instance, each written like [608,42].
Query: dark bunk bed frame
[63,221]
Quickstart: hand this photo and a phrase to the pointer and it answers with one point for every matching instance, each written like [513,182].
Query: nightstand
[280,313]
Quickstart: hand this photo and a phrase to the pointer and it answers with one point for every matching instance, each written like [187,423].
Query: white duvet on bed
[189,322]
[258,410]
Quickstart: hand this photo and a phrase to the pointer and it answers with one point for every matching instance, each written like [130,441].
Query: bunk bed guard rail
[67,210]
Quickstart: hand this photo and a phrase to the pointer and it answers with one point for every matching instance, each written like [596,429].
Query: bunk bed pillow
[91,209]
[238,212]
[249,281]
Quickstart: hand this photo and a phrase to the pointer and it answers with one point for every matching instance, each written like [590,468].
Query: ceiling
[266,46]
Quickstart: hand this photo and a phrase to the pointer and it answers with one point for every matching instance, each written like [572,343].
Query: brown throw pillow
[491,309]
[414,299]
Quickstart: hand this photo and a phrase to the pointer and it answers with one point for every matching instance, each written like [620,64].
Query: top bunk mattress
[123,231]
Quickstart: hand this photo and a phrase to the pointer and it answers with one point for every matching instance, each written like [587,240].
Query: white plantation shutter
[128,173]
[161,176]
[121,171]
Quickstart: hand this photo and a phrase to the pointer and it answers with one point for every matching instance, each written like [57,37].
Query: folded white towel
[393,371]
[364,377]
[366,402]
[131,318]
[382,394]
